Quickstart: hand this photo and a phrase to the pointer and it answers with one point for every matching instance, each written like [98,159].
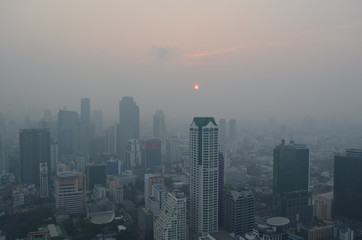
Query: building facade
[171,222]
[239,212]
[129,124]
[291,194]
[347,185]
[70,192]
[34,149]
[204,176]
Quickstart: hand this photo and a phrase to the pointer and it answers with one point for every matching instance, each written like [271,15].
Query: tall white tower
[204,173]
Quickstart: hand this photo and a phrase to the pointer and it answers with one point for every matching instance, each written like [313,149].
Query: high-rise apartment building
[204,176]
[129,125]
[68,135]
[291,194]
[239,212]
[34,149]
[70,192]
[171,222]
[347,186]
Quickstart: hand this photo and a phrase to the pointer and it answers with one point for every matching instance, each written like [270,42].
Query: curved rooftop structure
[278,221]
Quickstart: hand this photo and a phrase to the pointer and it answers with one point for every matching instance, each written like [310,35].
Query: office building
[173,153]
[291,194]
[96,174]
[322,205]
[34,149]
[347,185]
[84,110]
[134,156]
[204,176]
[150,180]
[145,224]
[98,123]
[44,180]
[171,222]
[70,193]
[129,124]
[239,212]
[159,130]
[68,135]
[151,153]
[111,140]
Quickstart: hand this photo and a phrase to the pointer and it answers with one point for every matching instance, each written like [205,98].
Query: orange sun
[196,86]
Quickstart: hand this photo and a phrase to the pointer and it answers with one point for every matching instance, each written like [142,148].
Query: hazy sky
[251,58]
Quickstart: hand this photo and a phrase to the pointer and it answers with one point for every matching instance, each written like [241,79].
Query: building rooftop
[277,221]
[203,121]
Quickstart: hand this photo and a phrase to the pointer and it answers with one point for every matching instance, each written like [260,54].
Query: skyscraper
[204,176]
[129,124]
[68,135]
[159,130]
[34,149]
[98,123]
[222,135]
[347,185]
[151,153]
[239,212]
[291,194]
[171,222]
[84,110]
[44,180]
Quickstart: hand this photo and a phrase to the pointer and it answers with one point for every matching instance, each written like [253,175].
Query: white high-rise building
[70,192]
[204,174]
[171,222]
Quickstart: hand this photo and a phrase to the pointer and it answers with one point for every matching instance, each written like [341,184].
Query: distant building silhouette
[85,110]
[68,135]
[232,130]
[348,185]
[151,153]
[44,180]
[34,149]
[129,125]
[291,195]
[204,176]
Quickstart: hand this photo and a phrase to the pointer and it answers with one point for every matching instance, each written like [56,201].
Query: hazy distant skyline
[252,59]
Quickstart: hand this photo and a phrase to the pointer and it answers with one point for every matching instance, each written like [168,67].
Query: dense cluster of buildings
[211,198]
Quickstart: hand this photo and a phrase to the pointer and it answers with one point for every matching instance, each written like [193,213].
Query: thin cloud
[215,52]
